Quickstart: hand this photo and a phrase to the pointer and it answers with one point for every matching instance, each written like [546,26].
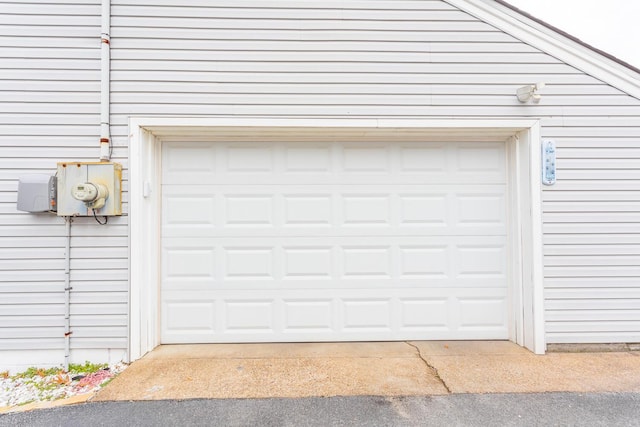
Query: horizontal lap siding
[409,59]
[49,112]
[299,58]
[592,241]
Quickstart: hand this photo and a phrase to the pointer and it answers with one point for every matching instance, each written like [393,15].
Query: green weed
[87,368]
[33,372]
[74,368]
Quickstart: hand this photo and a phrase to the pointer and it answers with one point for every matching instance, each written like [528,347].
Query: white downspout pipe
[105,80]
[67,292]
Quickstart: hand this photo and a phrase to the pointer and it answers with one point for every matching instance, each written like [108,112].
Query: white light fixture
[530,92]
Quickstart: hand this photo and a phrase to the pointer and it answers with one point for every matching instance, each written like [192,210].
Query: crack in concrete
[431,367]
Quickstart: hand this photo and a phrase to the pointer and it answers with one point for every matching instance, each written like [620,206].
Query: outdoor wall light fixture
[530,92]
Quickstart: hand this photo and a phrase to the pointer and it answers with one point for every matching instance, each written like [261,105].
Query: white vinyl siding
[366,58]
[592,237]
[411,59]
[49,112]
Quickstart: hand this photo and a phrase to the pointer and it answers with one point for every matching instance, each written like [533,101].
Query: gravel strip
[15,391]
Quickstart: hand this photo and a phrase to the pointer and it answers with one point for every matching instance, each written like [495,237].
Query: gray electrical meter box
[37,193]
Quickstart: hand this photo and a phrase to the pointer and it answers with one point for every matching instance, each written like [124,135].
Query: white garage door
[333,241]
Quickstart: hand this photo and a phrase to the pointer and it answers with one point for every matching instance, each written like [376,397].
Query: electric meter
[93,195]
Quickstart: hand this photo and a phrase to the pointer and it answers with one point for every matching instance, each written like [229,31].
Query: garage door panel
[331,262]
[381,314]
[347,232]
[326,285]
[365,179]
[435,241]
[277,210]
[300,263]
[284,241]
[189,315]
[480,260]
[249,315]
[182,209]
[479,158]
[366,314]
[324,188]
[308,316]
[356,158]
[189,162]
[190,262]
[337,163]
[482,313]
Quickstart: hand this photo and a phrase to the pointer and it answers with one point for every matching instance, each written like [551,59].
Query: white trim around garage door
[522,138]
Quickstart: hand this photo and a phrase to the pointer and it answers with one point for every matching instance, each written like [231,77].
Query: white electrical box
[88,188]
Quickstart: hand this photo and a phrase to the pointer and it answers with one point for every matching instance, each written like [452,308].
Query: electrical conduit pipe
[105,83]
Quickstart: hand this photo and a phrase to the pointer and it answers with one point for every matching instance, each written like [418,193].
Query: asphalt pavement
[483,410]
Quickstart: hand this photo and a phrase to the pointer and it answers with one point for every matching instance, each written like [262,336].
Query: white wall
[365,58]
[416,59]
[49,112]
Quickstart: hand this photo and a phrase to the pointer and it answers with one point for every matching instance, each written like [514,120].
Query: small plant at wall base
[34,372]
[87,368]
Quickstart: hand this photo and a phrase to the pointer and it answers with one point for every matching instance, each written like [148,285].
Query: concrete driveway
[414,368]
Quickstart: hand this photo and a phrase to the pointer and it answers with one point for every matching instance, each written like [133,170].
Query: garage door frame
[522,138]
